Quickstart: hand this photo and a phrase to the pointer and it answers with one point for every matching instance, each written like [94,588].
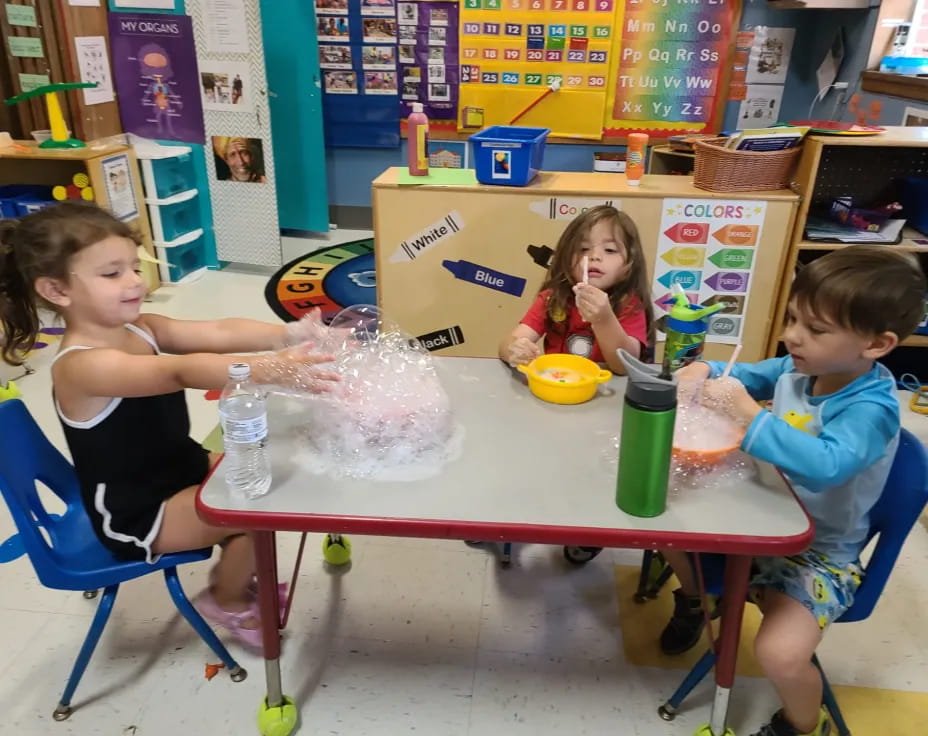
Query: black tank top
[139,447]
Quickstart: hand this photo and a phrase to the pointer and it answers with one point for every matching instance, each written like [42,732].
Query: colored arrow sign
[689,232]
[685,256]
[729,281]
[667,301]
[737,234]
[686,279]
[734,304]
[732,258]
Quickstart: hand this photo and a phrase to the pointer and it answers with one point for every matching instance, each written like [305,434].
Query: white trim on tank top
[114,402]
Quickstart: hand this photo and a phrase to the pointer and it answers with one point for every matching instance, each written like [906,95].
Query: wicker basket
[720,169]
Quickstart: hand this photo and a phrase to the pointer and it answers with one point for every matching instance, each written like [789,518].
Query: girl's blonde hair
[42,244]
[560,281]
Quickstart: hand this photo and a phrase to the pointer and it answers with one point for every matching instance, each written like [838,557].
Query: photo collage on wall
[357,46]
[428,57]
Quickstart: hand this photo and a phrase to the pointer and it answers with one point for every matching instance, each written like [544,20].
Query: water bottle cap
[239,370]
[417,107]
[645,387]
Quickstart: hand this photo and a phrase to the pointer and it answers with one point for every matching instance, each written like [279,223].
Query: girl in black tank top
[119,383]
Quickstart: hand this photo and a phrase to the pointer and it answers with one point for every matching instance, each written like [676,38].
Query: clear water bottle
[243,414]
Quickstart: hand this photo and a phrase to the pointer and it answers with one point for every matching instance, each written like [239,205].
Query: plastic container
[560,378]
[243,416]
[417,149]
[17,200]
[914,199]
[508,154]
[181,261]
[634,165]
[165,177]
[170,221]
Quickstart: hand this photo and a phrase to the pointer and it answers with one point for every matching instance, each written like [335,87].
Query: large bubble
[388,418]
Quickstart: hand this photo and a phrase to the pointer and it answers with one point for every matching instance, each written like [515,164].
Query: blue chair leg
[237,672]
[104,608]
[668,710]
[831,702]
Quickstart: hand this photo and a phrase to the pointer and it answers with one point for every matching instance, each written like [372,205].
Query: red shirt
[578,338]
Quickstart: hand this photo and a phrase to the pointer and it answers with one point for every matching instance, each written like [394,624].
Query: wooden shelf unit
[866,168]
[26,163]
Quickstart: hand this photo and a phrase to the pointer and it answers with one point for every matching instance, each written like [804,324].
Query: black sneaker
[685,626]
[779,726]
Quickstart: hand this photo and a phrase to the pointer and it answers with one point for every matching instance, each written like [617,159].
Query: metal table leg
[277,715]
[737,578]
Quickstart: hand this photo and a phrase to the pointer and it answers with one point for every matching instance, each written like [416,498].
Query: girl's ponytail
[19,317]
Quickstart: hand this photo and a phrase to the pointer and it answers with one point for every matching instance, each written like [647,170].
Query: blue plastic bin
[508,155]
[17,200]
[915,203]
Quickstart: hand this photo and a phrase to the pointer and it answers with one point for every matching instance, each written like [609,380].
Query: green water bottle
[647,438]
[686,330]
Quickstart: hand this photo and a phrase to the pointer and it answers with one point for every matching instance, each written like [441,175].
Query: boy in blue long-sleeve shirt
[833,430]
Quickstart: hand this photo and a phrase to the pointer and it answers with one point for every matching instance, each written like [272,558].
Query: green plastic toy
[59,138]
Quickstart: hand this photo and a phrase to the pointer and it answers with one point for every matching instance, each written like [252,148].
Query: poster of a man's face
[239,159]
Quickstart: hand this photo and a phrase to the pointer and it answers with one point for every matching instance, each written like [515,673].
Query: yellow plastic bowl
[560,392]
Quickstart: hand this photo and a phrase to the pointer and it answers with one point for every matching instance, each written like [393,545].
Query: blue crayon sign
[483,276]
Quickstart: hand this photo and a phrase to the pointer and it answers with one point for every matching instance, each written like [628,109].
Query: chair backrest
[892,517]
[26,456]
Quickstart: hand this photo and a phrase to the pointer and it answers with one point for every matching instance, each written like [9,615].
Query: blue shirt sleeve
[851,441]
[760,379]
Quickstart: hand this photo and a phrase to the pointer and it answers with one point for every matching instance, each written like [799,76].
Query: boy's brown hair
[869,289]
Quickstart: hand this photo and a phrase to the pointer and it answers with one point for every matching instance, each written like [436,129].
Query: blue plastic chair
[73,558]
[898,508]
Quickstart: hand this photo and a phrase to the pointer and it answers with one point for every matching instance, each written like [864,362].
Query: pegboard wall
[869,175]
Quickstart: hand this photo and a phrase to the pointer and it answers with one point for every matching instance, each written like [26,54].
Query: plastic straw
[586,269]
[731,361]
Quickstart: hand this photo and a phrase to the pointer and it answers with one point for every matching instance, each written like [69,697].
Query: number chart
[512,51]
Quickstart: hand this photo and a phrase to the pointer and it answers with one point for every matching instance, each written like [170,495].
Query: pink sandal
[234,621]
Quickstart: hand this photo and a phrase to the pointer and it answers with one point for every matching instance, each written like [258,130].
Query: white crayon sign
[428,237]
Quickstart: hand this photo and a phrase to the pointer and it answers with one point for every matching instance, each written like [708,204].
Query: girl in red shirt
[592,317]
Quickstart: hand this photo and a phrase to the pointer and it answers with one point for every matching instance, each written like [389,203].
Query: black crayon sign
[439,339]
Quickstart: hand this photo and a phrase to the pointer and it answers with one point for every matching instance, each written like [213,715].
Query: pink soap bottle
[417,134]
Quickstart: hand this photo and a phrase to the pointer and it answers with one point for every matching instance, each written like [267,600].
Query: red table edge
[733,544]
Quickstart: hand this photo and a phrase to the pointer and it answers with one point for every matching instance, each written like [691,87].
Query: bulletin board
[358,59]
[428,55]
[668,67]
[513,50]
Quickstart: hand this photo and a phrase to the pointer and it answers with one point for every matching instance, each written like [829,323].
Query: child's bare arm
[215,336]
[113,373]
[520,346]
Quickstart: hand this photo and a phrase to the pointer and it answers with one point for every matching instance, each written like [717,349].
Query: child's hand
[690,379]
[522,351]
[295,368]
[592,303]
[729,396]
[309,328]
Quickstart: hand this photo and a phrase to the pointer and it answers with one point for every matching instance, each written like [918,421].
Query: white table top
[529,472]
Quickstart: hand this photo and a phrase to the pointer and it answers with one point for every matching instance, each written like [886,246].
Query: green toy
[59,138]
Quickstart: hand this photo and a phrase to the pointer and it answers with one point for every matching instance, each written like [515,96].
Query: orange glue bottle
[417,135]
[634,158]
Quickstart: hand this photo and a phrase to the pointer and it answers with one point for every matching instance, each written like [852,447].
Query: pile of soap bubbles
[388,418]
